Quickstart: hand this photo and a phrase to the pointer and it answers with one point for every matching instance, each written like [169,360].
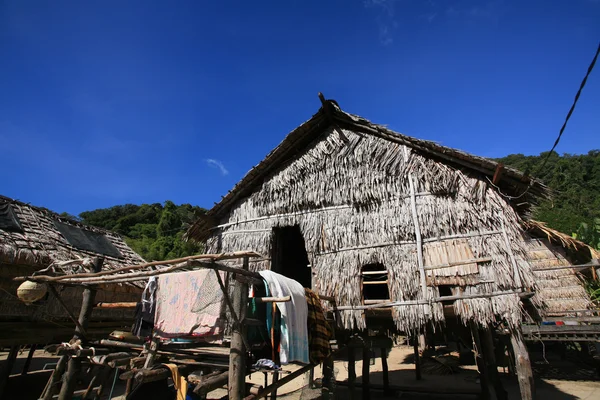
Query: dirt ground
[550,382]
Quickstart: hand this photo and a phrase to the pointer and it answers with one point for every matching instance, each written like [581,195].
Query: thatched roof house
[32,238]
[560,287]
[371,216]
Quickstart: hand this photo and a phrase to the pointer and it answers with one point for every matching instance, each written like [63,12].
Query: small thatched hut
[371,216]
[560,285]
[31,239]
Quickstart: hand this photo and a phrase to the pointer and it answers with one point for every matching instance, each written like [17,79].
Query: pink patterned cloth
[189,304]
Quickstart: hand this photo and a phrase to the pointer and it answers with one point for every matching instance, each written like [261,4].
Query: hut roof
[560,290]
[36,237]
[511,182]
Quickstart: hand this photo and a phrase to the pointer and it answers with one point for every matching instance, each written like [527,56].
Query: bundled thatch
[560,290]
[362,194]
[30,240]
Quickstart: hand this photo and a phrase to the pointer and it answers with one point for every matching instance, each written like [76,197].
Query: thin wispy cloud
[211,162]
[386,21]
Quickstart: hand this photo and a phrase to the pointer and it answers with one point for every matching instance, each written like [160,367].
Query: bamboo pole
[457,263]
[415,216]
[434,300]
[209,257]
[143,275]
[125,304]
[272,299]
[513,260]
[407,242]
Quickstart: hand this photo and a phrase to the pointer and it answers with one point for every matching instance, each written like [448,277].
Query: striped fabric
[319,331]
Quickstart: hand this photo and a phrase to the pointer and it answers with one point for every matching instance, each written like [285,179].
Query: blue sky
[113,102]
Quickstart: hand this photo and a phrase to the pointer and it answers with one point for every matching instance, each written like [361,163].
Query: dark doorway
[288,255]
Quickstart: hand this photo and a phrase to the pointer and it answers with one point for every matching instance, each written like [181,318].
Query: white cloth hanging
[294,315]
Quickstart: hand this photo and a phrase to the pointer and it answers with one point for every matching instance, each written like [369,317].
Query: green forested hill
[575,181]
[155,231]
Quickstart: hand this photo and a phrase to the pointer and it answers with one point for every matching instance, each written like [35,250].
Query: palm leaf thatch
[362,194]
[561,291]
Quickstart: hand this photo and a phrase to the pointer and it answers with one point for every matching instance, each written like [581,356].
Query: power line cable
[562,129]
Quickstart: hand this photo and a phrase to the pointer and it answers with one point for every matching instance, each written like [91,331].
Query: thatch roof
[561,291]
[35,239]
[511,182]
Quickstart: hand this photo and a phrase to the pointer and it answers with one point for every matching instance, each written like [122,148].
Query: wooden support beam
[7,368]
[28,361]
[484,378]
[458,263]
[236,386]
[67,310]
[151,355]
[351,373]
[157,374]
[74,364]
[290,377]
[272,299]
[384,368]
[487,344]
[54,381]
[124,304]
[522,365]
[210,383]
[366,364]
[498,173]
[328,378]
[192,264]
[379,304]
[417,357]
[274,392]
[211,258]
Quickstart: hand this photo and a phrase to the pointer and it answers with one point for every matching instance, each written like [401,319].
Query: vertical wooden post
[327,378]
[487,343]
[274,392]
[7,368]
[74,364]
[351,372]
[479,359]
[384,367]
[366,392]
[522,365]
[152,349]
[25,369]
[53,382]
[237,357]
[417,358]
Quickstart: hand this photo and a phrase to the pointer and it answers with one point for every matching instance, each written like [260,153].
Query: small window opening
[375,282]
[446,290]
